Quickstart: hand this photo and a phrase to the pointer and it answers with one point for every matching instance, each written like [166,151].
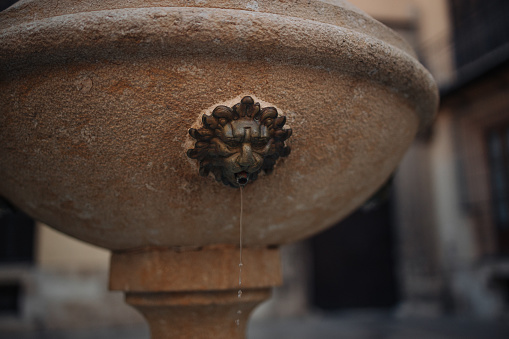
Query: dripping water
[239,293]
[240,239]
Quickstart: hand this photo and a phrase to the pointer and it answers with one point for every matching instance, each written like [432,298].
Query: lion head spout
[237,143]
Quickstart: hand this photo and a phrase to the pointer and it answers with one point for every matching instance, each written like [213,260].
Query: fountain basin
[97,99]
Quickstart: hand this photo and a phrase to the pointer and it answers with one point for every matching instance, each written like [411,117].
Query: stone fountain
[105,110]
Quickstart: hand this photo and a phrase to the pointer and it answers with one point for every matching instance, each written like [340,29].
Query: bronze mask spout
[236,143]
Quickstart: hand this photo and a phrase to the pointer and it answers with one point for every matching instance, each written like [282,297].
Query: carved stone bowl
[97,98]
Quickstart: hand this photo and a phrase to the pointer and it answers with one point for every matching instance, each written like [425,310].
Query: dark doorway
[498,156]
[16,235]
[16,247]
[10,298]
[354,262]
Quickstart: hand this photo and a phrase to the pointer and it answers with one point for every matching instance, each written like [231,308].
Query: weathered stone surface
[334,12]
[199,315]
[195,269]
[194,292]
[97,98]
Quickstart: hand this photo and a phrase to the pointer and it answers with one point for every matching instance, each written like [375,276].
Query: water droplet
[239,294]
[239,312]
[237,322]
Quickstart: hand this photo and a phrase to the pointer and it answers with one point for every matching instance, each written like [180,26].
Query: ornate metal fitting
[237,143]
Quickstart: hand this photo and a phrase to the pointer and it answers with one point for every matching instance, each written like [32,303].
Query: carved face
[236,143]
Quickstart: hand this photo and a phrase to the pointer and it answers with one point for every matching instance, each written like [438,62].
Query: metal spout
[242,178]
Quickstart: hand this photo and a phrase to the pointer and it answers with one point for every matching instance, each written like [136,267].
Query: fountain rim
[147,33]
[334,12]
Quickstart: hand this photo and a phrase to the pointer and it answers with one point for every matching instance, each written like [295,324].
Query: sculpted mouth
[242,178]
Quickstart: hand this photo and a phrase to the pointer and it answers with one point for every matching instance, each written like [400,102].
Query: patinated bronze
[236,144]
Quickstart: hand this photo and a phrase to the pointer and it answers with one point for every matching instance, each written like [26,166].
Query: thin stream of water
[240,236]
[239,293]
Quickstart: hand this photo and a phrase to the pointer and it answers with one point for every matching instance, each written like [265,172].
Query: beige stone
[198,269]
[195,292]
[200,315]
[96,107]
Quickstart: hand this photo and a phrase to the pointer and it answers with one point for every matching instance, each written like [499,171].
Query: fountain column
[194,292]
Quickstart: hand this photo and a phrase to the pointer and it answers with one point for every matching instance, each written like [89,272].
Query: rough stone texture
[96,106]
[335,12]
[203,269]
[200,315]
[193,293]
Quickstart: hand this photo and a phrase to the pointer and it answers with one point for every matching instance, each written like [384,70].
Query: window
[498,158]
[480,29]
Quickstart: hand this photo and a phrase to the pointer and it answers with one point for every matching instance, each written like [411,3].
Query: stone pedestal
[194,292]
[197,315]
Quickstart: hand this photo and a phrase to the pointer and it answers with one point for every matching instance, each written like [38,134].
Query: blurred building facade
[439,245]
[443,248]
[451,191]
[59,284]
